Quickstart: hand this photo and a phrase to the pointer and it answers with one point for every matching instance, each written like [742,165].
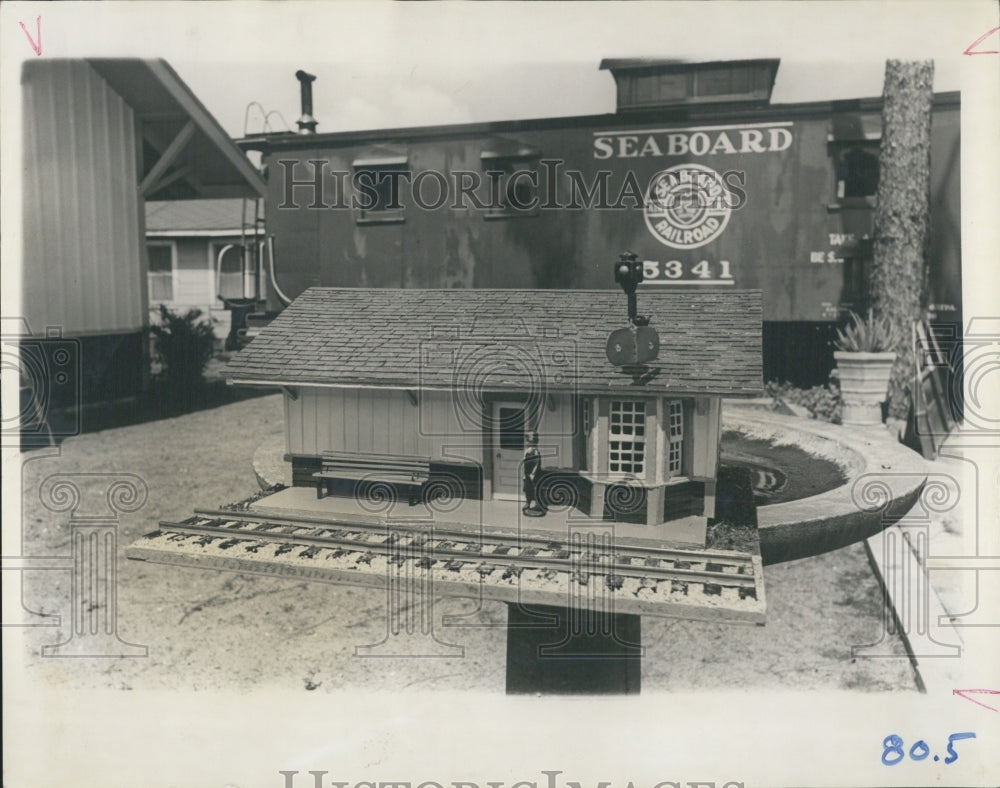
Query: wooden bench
[413,472]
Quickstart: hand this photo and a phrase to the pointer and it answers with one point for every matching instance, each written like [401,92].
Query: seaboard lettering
[725,141]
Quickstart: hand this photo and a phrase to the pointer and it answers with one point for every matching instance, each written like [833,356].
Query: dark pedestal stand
[568,651]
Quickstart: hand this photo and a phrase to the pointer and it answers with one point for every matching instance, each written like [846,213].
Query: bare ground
[215,630]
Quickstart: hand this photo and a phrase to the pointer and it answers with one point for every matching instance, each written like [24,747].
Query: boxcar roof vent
[646,84]
[307,123]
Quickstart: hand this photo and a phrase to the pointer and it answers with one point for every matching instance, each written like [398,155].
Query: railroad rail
[492,552]
[357,523]
[589,568]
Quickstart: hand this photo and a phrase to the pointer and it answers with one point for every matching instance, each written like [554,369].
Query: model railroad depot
[410,412]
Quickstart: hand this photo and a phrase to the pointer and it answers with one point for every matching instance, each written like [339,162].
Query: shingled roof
[179,216]
[505,341]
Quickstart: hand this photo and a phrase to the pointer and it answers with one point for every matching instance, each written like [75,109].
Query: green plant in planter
[867,335]
[865,356]
[184,344]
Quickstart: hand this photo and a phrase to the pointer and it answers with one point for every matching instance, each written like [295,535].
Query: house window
[675,438]
[627,436]
[160,276]
[377,184]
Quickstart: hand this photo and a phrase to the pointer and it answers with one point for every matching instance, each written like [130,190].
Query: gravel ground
[214,630]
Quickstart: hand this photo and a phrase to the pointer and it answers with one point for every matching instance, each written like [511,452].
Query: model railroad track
[402,526]
[455,549]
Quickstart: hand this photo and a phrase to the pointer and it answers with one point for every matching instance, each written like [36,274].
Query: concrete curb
[269,464]
[884,482]
[920,618]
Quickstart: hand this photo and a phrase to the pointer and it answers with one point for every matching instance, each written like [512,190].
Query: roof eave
[245,180]
[207,124]
[611,390]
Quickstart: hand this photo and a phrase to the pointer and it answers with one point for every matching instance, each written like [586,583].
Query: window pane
[230,271]
[160,258]
[161,286]
[380,189]
[857,169]
[513,183]
[160,276]
[626,421]
[676,437]
[231,285]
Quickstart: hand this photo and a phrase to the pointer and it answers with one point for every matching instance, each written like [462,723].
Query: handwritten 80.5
[654,271]
[893,752]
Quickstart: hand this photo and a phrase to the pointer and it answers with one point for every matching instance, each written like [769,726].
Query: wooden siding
[684,500]
[387,422]
[84,255]
[705,417]
[555,433]
[194,277]
[381,421]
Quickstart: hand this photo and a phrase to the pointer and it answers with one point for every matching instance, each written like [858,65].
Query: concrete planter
[864,382]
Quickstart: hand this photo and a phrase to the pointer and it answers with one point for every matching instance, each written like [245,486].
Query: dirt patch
[801,474]
[208,629]
[805,644]
[727,536]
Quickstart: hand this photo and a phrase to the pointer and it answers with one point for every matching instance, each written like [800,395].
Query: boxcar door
[508,448]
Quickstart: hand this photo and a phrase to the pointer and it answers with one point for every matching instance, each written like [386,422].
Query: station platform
[904,537]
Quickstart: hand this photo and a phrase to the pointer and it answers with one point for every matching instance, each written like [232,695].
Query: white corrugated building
[100,138]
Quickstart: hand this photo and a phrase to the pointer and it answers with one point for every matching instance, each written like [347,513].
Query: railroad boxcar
[696,172]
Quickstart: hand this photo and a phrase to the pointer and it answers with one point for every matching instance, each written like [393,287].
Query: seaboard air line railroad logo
[687,206]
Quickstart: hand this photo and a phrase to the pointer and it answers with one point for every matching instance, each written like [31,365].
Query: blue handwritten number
[919,750]
[892,744]
[952,755]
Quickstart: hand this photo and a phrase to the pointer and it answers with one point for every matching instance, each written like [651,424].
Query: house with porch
[203,254]
[423,395]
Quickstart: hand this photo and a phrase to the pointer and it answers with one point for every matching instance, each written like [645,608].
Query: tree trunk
[899,269]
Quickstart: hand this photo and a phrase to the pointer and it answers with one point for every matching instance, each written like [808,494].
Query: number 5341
[674,269]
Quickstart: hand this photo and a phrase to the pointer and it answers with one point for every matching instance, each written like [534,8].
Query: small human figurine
[532,469]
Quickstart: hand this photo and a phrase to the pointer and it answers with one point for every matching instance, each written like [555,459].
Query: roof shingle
[505,341]
[198,215]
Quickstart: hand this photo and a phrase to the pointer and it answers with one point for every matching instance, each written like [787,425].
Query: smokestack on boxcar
[306,123]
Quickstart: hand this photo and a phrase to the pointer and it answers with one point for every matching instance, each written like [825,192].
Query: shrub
[183,346]
[822,402]
[723,535]
[867,335]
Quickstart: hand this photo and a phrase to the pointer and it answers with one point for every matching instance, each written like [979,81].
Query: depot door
[508,448]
